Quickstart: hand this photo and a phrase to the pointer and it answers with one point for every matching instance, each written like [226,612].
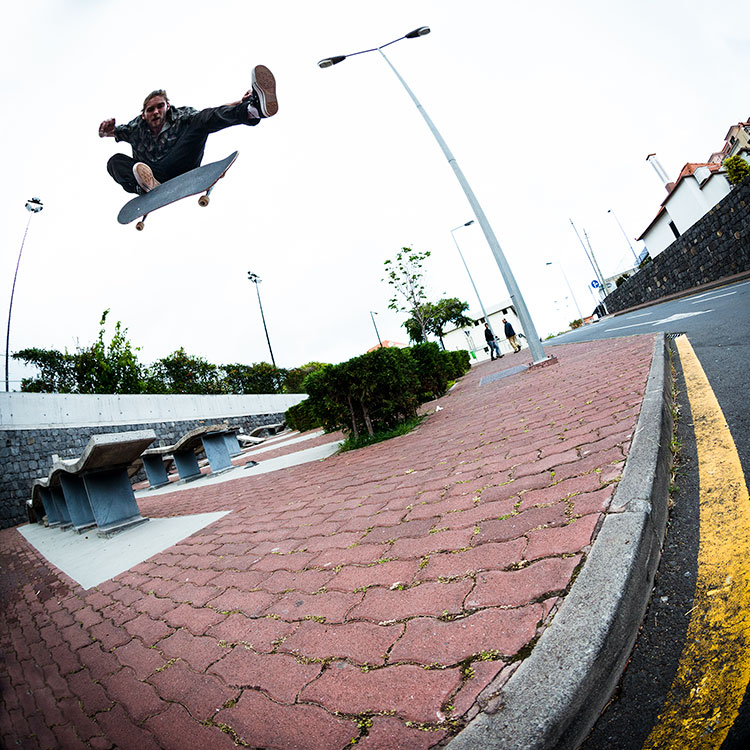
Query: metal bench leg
[216,452]
[50,509]
[187,465]
[62,509]
[156,471]
[233,445]
[77,500]
[112,501]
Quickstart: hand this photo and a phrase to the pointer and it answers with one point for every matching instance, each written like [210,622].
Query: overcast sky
[550,109]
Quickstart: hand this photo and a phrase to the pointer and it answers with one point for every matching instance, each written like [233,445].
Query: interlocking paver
[175,728]
[517,587]
[415,693]
[394,584]
[361,642]
[281,676]
[427,640]
[260,722]
[203,695]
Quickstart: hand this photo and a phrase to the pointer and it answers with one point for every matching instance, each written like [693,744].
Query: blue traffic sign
[595,284]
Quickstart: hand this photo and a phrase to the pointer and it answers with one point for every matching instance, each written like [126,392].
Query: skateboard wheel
[203,200]
[139,226]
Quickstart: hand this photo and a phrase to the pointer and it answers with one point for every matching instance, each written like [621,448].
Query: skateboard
[183,186]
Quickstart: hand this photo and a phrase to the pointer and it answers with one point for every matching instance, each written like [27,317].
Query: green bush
[431,369]
[457,363]
[301,417]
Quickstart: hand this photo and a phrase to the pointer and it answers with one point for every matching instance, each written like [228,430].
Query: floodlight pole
[33,206]
[256,280]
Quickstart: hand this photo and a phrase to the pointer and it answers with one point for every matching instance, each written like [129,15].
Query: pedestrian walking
[510,334]
[492,343]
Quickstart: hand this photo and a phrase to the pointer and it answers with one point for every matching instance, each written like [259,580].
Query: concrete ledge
[556,695]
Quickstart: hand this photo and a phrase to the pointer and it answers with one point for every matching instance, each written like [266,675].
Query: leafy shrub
[431,369]
[380,390]
[301,417]
[577,323]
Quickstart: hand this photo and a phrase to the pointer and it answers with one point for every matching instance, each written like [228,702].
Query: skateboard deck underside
[195,181]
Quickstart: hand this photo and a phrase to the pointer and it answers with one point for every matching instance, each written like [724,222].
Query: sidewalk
[388,596]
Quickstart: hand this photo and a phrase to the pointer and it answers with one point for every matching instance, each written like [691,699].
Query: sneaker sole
[264,85]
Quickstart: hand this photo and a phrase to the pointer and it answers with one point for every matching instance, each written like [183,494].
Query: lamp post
[570,289]
[372,315]
[535,346]
[256,280]
[474,286]
[33,206]
[627,239]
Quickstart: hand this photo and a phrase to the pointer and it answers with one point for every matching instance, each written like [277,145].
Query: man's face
[155,112]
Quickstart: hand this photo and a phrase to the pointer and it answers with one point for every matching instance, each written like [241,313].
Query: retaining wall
[33,426]
[715,247]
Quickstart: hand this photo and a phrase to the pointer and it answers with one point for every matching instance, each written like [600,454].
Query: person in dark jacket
[491,342]
[510,334]
[168,141]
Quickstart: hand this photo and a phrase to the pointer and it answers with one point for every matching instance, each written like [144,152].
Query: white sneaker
[264,87]
[144,177]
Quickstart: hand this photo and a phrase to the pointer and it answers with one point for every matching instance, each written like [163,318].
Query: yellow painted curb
[714,669]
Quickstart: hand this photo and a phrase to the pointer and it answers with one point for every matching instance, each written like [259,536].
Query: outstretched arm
[107,128]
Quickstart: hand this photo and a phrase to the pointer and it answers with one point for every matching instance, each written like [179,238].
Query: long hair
[158,92]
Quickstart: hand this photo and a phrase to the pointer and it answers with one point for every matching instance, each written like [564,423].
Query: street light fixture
[535,346]
[256,280]
[625,234]
[372,315]
[575,301]
[33,206]
[474,286]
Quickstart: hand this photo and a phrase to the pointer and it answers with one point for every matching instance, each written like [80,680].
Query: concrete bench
[259,434]
[215,440]
[94,490]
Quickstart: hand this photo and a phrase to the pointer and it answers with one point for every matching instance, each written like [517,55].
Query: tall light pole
[256,280]
[535,346]
[625,234]
[570,289]
[474,286]
[33,206]
[372,315]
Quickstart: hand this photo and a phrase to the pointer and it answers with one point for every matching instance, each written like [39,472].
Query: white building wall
[35,410]
[475,342]
[659,237]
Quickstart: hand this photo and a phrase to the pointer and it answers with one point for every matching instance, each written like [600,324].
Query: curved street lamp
[33,206]
[535,346]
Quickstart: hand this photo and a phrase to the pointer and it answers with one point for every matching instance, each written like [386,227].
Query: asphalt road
[717,323]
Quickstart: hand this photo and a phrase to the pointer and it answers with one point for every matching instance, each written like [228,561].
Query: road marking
[710,299]
[714,670]
[670,319]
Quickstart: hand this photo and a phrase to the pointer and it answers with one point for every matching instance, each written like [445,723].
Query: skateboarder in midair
[168,141]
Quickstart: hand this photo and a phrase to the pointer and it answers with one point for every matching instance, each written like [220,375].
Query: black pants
[187,151]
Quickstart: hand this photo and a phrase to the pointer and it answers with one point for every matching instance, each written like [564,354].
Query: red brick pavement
[370,597]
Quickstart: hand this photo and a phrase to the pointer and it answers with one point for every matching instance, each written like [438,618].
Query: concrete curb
[555,696]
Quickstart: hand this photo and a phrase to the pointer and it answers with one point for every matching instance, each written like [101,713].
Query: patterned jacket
[145,146]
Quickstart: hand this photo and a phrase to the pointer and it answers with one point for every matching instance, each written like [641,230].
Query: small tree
[262,377]
[405,274]
[180,372]
[737,169]
[112,368]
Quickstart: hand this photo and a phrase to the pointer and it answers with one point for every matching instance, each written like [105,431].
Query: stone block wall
[715,247]
[26,454]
